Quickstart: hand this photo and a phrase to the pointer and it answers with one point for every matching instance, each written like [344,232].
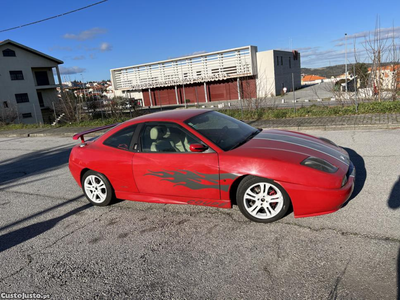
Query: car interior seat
[159,143]
[178,140]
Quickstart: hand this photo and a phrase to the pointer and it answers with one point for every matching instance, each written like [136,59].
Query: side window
[121,139]
[166,138]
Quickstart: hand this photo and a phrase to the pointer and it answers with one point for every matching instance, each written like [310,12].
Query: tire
[262,200]
[97,188]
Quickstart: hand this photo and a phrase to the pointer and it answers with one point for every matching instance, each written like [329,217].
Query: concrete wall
[275,70]
[285,66]
[27,62]
[265,74]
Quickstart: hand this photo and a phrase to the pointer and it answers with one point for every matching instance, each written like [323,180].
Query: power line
[53,17]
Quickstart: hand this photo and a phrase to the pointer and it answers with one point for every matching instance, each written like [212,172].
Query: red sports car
[203,157]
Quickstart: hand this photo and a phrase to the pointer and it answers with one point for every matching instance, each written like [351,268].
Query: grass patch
[316,111]
[259,114]
[23,126]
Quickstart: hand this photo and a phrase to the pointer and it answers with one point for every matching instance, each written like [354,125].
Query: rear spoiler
[81,134]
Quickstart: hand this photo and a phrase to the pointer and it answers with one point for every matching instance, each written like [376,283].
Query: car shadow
[394,203]
[33,163]
[21,235]
[361,173]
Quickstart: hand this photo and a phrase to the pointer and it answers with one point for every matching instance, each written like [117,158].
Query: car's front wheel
[262,200]
[97,188]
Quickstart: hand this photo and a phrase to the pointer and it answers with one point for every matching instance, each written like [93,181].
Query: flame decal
[194,180]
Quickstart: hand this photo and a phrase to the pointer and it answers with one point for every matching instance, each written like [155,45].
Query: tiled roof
[312,77]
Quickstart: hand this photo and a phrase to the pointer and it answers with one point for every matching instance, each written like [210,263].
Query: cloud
[105,47]
[86,34]
[332,57]
[80,57]
[71,70]
[63,48]
[341,44]
[384,33]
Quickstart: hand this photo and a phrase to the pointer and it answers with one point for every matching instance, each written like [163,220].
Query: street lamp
[345,61]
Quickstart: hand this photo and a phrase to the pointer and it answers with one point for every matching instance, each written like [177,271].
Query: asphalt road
[54,243]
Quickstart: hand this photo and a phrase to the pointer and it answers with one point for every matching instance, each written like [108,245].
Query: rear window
[121,139]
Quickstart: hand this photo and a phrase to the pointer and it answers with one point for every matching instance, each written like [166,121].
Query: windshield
[224,131]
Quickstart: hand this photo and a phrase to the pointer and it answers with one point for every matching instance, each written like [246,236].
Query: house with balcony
[28,86]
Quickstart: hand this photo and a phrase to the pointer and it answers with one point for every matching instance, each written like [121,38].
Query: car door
[115,159]
[164,164]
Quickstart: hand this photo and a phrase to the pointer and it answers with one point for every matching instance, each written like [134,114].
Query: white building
[27,85]
[217,76]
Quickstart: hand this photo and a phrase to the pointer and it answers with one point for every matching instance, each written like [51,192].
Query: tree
[361,70]
[8,114]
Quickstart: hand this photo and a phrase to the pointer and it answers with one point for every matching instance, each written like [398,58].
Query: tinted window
[121,139]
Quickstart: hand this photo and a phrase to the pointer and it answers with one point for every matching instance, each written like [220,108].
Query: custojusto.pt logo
[24,296]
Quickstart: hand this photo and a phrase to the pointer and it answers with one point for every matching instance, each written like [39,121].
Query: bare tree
[70,107]
[8,114]
[265,91]
[393,72]
[376,47]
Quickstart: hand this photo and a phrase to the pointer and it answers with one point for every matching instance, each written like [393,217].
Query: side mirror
[198,148]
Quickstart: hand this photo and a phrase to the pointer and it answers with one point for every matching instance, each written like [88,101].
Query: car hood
[299,145]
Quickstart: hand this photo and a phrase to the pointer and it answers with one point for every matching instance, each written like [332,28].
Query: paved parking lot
[54,243]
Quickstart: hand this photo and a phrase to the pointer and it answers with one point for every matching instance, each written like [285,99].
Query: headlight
[319,164]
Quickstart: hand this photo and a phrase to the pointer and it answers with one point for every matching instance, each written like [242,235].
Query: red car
[203,157]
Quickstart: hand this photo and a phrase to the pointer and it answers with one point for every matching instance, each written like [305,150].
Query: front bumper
[311,201]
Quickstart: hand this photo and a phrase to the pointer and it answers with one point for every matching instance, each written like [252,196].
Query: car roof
[171,115]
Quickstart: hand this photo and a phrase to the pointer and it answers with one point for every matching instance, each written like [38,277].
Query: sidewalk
[351,122]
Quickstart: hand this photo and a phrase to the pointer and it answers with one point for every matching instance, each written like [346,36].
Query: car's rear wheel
[262,200]
[97,188]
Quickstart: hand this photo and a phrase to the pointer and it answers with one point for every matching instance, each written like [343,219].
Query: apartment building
[27,83]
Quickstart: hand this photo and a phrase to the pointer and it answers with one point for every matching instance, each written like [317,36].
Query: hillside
[325,71]
[330,71]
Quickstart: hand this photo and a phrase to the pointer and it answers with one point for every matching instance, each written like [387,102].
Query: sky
[120,33]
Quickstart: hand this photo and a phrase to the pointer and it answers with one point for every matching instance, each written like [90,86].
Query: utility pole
[345,61]
[294,94]
[355,81]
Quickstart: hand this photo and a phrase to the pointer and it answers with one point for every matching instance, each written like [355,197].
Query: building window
[5,104]
[42,78]
[290,63]
[16,75]
[281,60]
[40,97]
[277,60]
[9,53]
[27,115]
[21,98]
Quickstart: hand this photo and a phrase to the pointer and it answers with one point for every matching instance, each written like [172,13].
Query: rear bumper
[310,201]
[75,170]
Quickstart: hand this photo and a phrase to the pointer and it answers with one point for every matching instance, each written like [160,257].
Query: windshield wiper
[253,134]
